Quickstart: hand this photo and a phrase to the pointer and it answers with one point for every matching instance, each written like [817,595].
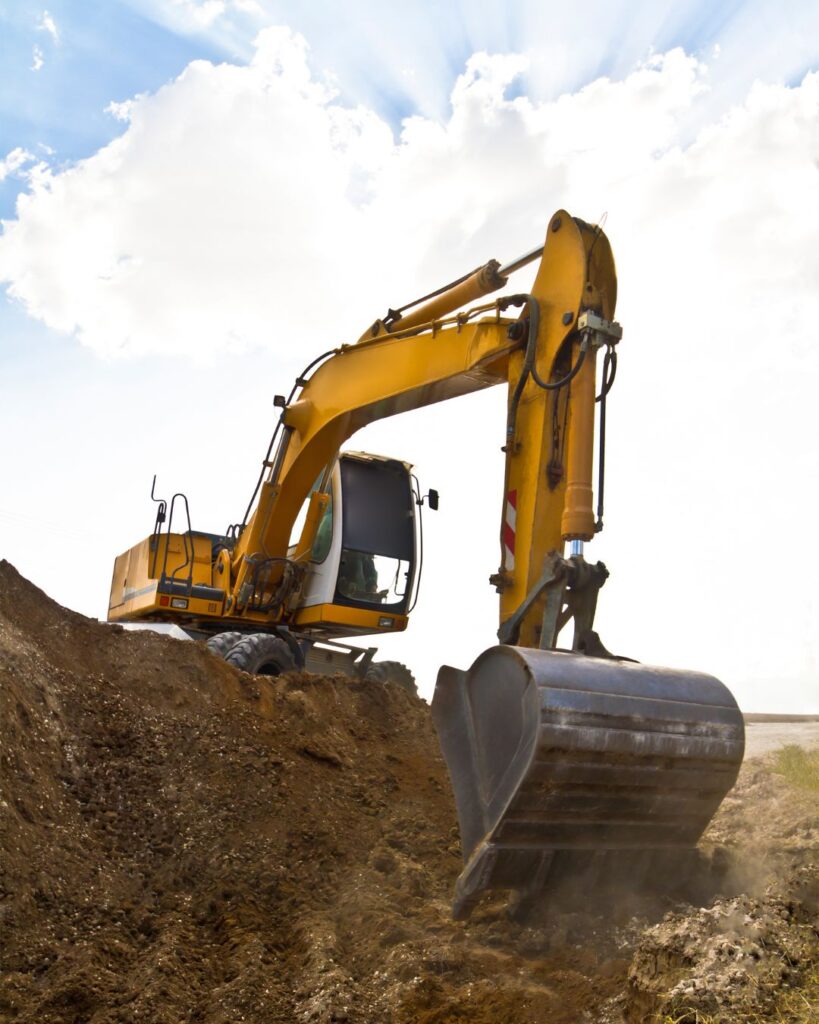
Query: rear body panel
[138,588]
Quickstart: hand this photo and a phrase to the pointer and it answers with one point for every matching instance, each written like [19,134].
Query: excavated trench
[183,842]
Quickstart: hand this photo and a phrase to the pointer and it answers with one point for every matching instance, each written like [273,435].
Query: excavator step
[556,758]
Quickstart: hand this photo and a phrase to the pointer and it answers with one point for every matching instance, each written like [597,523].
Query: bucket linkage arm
[569,589]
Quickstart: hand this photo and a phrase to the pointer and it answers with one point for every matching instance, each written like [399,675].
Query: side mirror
[432,498]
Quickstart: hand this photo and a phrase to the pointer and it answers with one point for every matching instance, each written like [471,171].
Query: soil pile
[745,956]
[732,961]
[182,842]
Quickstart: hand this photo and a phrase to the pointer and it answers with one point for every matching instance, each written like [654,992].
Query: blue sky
[105,51]
[398,61]
[238,214]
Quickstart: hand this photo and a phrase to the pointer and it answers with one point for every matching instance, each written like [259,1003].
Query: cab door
[364,552]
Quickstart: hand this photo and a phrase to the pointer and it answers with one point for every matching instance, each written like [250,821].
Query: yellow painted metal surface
[576,273]
[577,520]
[178,558]
[484,280]
[343,621]
[134,587]
[318,503]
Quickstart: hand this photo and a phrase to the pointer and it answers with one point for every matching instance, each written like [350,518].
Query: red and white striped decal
[508,530]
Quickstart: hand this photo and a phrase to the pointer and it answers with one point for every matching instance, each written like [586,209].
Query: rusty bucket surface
[558,754]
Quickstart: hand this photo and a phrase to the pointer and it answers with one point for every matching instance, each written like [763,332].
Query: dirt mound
[732,960]
[745,956]
[182,842]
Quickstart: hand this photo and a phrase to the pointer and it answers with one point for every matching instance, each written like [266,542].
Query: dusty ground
[185,843]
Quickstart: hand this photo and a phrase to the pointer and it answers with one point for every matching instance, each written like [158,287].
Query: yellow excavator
[560,760]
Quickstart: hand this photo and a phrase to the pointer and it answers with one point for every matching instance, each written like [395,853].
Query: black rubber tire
[261,654]
[221,643]
[393,672]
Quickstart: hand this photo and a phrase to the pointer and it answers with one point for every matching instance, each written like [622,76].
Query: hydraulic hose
[300,382]
[530,369]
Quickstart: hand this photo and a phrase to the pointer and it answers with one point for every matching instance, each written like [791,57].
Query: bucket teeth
[556,756]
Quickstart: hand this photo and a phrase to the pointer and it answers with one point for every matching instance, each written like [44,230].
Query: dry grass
[799,767]
[801,1005]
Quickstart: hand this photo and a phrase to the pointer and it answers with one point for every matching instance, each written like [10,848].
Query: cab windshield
[373,579]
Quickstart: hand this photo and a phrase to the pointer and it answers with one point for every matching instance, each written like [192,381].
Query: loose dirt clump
[731,961]
[747,955]
[183,842]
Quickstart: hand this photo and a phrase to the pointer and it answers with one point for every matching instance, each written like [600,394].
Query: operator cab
[362,572]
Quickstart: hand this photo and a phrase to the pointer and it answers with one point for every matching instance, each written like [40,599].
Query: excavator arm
[547,357]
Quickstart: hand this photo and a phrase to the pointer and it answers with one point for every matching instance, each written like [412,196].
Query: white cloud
[47,24]
[120,111]
[358,40]
[247,207]
[14,161]
[222,183]
[232,176]
[200,14]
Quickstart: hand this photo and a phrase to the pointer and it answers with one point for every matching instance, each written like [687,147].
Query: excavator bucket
[558,760]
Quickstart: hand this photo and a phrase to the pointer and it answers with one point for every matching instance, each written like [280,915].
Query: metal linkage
[569,589]
[603,331]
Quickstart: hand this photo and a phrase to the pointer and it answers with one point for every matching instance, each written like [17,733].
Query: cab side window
[324,535]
